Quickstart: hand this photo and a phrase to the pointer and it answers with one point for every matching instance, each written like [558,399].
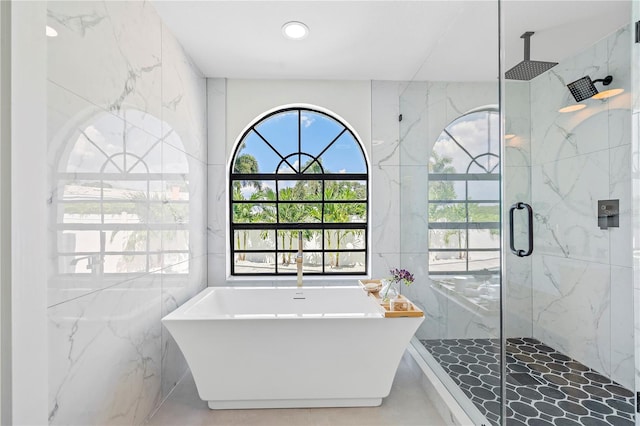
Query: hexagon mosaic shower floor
[544,386]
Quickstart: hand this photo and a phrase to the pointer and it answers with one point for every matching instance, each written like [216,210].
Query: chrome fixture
[584,88]
[528,69]
[94,262]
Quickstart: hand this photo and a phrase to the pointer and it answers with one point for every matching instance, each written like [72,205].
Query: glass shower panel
[450,211]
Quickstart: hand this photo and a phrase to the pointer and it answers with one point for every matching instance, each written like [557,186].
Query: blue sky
[316,132]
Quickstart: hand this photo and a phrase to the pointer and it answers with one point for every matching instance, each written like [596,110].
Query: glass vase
[390,290]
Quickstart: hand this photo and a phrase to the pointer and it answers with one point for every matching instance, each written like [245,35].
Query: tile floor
[544,386]
[407,404]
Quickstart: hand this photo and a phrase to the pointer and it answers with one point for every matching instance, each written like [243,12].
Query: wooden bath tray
[413,310]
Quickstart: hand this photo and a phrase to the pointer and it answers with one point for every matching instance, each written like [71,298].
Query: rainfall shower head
[583,88]
[528,69]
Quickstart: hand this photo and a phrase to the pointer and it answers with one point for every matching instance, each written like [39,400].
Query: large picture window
[298,170]
[464,196]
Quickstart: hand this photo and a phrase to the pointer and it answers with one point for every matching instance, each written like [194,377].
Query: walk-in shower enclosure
[519,208]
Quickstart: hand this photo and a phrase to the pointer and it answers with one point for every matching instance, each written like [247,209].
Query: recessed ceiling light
[295,30]
[607,93]
[572,108]
[51,32]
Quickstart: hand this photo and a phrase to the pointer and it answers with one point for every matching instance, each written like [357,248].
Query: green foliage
[246,164]
[344,210]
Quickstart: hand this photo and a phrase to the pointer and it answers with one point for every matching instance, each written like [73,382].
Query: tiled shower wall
[115,73]
[582,288]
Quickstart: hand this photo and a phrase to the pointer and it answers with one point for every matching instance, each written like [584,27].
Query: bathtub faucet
[94,263]
[299,259]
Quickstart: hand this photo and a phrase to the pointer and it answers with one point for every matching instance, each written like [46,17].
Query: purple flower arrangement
[401,276]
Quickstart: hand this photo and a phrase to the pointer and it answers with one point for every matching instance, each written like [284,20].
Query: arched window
[464,196]
[298,169]
[122,204]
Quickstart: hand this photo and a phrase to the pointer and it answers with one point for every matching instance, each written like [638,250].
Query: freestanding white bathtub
[285,347]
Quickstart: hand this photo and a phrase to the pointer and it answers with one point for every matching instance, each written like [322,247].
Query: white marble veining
[581,276]
[571,300]
[120,73]
[121,94]
[414,125]
[386,207]
[104,356]
[385,107]
[413,218]
[184,108]
[216,129]
[620,239]
[565,207]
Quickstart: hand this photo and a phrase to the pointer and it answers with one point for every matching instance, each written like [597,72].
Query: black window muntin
[299,175]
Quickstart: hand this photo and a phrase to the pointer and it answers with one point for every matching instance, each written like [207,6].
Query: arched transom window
[298,170]
[464,196]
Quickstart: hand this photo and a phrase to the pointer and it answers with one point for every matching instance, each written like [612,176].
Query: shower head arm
[527,44]
[605,81]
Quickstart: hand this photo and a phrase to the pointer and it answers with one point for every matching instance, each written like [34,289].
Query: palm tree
[289,213]
[444,190]
[241,214]
[341,213]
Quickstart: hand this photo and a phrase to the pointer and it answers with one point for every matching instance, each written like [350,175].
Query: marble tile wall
[427,108]
[582,275]
[124,95]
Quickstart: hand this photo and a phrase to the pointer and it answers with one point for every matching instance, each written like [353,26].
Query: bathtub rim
[180,313]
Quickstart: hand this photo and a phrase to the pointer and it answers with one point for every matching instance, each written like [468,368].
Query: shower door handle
[520,206]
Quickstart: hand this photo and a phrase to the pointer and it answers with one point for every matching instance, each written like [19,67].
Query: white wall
[28,224]
[240,102]
[116,73]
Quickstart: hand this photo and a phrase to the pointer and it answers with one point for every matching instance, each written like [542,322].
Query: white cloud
[306,121]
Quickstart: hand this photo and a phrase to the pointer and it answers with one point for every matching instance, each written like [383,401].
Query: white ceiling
[383,40]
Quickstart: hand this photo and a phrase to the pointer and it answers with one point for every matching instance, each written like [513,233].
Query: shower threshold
[544,386]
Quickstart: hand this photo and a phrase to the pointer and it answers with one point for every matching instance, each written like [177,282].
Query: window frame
[299,176]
